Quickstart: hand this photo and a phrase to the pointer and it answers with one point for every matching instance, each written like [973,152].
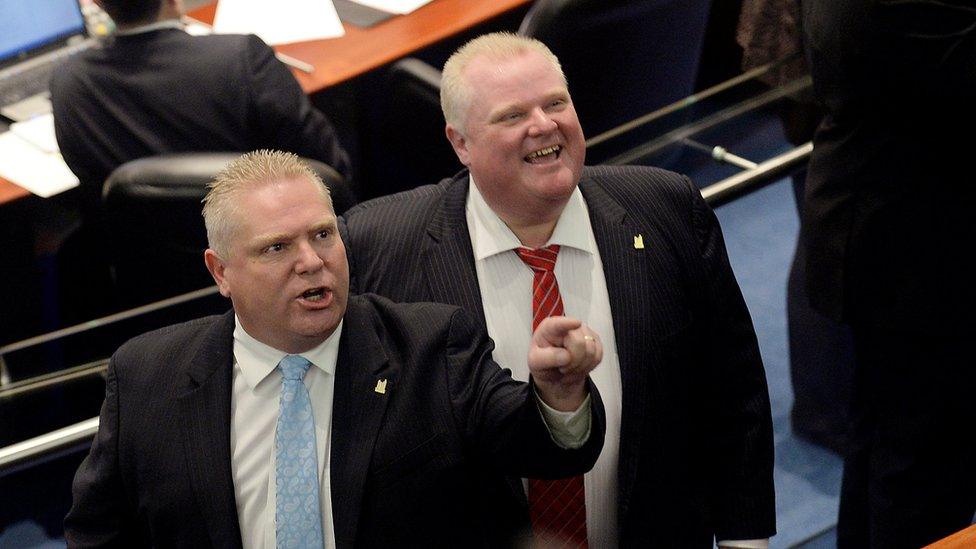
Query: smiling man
[308,418]
[633,251]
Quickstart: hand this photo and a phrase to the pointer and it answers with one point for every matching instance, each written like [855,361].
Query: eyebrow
[560,92]
[262,241]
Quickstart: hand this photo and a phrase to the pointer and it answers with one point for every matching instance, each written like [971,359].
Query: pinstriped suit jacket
[696,451]
[402,462]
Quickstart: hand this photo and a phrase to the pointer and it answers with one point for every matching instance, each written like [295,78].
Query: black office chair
[622,58]
[153,214]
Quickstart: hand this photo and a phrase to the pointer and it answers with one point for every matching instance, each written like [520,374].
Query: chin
[318,329]
[559,186]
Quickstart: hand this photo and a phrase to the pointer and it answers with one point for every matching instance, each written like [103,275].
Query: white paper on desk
[393,6]
[42,173]
[279,22]
[38,131]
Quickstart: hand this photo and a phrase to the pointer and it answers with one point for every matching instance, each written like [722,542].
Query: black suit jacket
[167,91]
[888,212]
[696,452]
[402,463]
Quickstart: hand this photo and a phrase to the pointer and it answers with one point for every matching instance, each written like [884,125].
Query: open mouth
[314,294]
[542,156]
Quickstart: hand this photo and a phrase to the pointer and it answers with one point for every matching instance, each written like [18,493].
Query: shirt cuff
[569,430]
[746,543]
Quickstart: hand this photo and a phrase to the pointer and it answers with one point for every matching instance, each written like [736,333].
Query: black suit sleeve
[284,117]
[97,517]
[500,417]
[740,422]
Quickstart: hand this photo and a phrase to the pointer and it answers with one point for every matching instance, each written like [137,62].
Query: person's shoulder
[403,209]
[386,307]
[234,44]
[639,186]
[408,319]
[172,339]
[637,178]
[74,68]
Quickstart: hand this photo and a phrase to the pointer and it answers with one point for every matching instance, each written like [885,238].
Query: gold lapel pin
[638,242]
[380,386]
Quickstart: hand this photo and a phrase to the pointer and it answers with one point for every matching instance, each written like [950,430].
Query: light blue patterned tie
[298,516]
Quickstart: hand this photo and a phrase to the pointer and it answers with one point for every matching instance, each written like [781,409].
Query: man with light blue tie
[307,418]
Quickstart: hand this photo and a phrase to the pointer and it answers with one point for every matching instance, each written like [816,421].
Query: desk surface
[962,539]
[362,50]
[337,60]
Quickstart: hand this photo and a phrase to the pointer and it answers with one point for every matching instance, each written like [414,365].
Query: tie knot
[293,367]
[539,259]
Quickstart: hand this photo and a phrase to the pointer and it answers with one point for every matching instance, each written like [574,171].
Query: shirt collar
[257,359]
[150,27]
[490,235]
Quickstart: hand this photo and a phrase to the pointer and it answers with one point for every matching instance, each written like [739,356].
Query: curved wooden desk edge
[10,192]
[963,539]
[361,50]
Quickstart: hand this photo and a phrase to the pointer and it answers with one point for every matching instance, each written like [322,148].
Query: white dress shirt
[255,403]
[506,293]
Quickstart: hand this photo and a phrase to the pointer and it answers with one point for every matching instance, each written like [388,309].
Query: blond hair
[220,209]
[455,92]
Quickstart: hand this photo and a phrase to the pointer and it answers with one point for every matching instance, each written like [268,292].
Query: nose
[541,123]
[309,261]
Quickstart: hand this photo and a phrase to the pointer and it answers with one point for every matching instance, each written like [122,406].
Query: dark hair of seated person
[128,12]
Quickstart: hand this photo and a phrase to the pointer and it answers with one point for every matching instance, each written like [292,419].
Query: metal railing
[106,320]
[48,443]
[67,437]
[753,179]
[37,383]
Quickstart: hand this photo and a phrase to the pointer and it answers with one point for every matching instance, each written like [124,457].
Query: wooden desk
[963,539]
[10,192]
[337,60]
[362,50]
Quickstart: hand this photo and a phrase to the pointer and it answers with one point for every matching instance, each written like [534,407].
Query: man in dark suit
[638,254]
[888,218]
[307,417]
[150,89]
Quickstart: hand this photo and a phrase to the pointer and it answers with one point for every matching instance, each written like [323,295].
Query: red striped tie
[557,507]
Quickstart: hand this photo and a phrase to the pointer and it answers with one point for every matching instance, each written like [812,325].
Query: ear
[216,267]
[460,144]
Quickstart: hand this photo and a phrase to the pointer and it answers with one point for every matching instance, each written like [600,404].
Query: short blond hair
[455,92]
[251,170]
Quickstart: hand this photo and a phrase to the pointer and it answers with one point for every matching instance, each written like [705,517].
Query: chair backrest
[623,58]
[153,215]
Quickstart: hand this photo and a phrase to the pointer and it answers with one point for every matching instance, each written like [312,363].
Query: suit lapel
[448,258]
[357,413]
[625,267]
[205,413]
